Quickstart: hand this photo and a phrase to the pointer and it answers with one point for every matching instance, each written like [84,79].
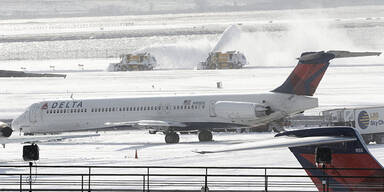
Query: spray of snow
[266,47]
[181,54]
[230,35]
[280,48]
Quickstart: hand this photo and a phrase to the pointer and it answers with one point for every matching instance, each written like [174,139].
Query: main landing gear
[205,135]
[173,137]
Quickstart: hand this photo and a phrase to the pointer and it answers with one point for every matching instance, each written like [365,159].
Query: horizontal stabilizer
[335,54]
[342,54]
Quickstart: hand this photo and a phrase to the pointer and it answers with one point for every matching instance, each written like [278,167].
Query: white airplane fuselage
[195,111]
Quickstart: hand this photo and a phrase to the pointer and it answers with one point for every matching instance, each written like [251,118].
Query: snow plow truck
[224,60]
[134,62]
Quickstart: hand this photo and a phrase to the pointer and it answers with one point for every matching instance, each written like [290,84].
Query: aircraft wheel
[172,137]
[205,135]
[379,138]
[367,139]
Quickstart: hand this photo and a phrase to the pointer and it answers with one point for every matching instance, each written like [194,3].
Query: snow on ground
[348,82]
[58,65]
[118,148]
[342,86]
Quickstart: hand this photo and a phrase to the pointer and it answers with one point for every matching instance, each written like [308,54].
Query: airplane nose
[17,122]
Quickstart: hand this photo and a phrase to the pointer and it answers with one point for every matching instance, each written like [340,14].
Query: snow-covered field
[348,82]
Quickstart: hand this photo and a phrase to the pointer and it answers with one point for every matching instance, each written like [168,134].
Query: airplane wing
[148,124]
[283,141]
[34,139]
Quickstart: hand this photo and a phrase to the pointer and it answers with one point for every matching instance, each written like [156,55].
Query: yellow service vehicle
[134,62]
[224,60]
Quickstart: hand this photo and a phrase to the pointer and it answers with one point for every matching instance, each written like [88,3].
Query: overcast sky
[11,9]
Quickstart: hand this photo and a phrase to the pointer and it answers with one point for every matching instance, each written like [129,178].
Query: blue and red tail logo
[307,74]
[352,167]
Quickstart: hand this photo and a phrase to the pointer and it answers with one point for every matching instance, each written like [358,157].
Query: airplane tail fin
[344,166]
[310,70]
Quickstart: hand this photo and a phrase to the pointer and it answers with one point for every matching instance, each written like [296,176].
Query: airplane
[170,114]
[335,158]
